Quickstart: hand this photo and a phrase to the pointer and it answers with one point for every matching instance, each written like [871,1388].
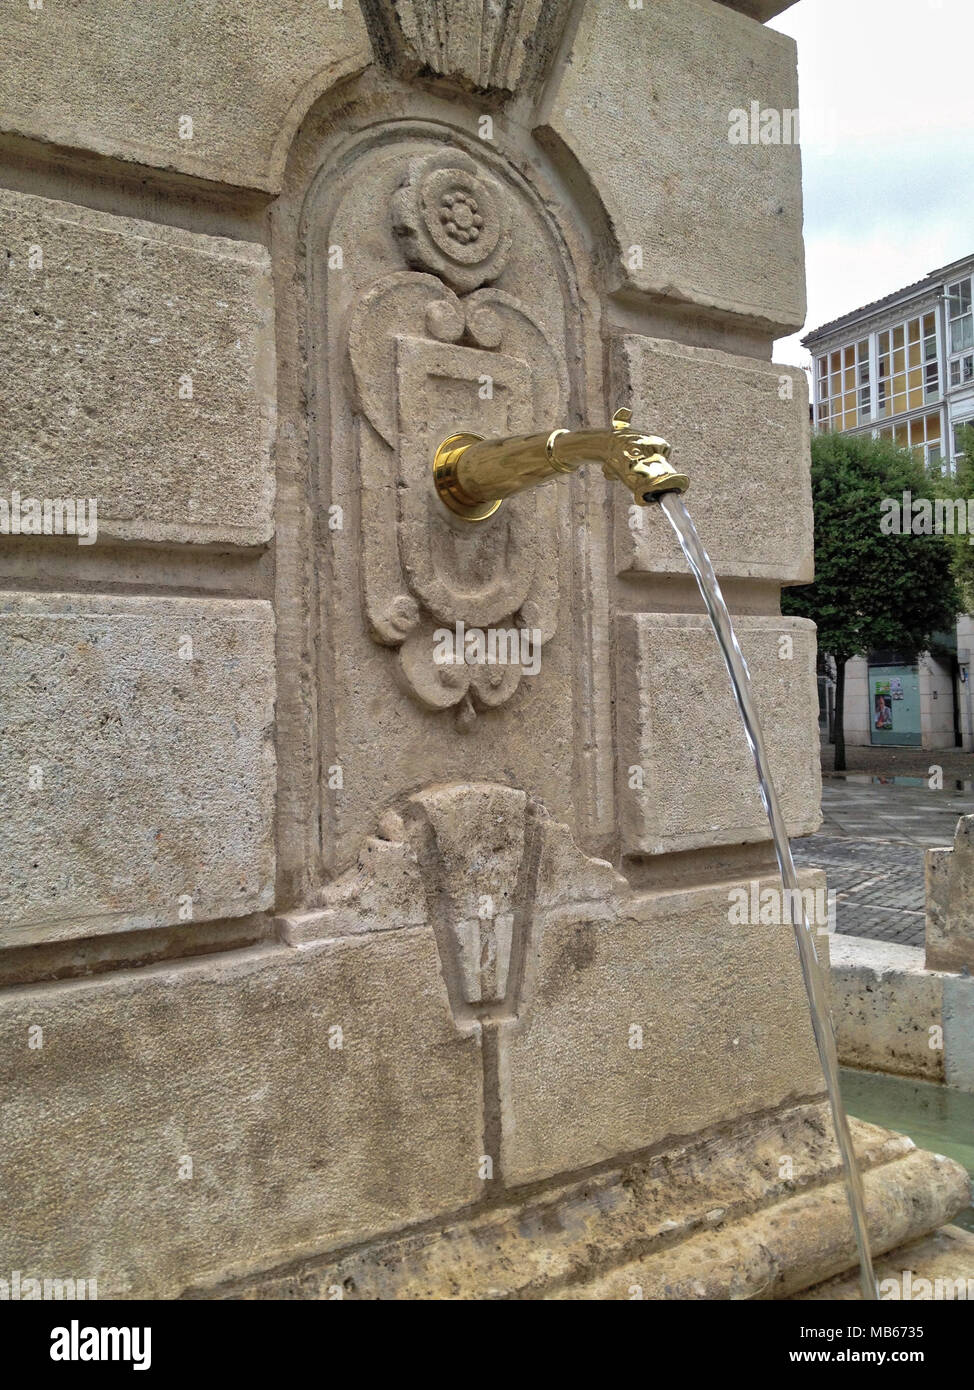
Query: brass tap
[473,475]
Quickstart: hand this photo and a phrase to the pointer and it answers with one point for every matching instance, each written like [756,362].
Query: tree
[879,580]
[958,488]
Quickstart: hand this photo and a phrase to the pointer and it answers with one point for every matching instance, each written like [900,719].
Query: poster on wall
[896,688]
[883,698]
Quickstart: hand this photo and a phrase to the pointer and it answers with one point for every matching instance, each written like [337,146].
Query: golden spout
[474,475]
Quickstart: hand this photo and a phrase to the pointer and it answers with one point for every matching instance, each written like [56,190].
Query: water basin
[935,1117]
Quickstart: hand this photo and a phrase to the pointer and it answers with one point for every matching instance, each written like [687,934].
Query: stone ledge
[947,1254]
[777,1252]
[655,1221]
[885,1003]
[760,10]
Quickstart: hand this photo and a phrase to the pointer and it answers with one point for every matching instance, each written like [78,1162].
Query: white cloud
[887,146]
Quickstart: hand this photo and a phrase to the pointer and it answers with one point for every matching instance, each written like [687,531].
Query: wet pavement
[872,845]
[899,810]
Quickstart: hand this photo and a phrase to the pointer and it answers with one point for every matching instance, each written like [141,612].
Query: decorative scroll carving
[431,350]
[411,333]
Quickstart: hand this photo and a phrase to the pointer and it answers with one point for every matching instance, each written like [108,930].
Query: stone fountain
[329,969]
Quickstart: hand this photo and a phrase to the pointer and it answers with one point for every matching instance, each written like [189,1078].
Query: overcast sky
[887,131]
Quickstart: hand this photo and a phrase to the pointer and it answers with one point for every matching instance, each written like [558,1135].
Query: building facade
[902,369]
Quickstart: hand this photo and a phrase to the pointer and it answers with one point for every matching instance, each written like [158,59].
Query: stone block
[645,105]
[199,1120]
[739,429]
[959,1031]
[885,1007]
[120,79]
[716,1217]
[760,9]
[720,1006]
[950,902]
[686,776]
[140,373]
[138,788]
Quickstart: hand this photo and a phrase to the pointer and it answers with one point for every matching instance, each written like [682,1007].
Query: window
[922,435]
[898,386]
[961,319]
[822,393]
[844,388]
[961,424]
[883,393]
[931,371]
[908,367]
[862,380]
[962,370]
[925,438]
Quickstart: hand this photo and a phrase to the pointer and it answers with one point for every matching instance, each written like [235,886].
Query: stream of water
[699,562]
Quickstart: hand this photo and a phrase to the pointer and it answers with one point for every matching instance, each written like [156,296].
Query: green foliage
[960,487]
[871,589]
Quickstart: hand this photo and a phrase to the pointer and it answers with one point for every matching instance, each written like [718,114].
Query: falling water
[699,562]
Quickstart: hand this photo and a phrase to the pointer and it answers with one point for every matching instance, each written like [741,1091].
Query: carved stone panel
[446,363]
[505,46]
[486,868]
[566,979]
[440,301]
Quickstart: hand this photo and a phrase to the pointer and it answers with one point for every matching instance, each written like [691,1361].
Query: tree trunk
[839,765]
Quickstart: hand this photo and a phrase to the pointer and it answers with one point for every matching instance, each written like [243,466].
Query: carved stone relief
[486,867]
[439,299]
[428,348]
[505,46]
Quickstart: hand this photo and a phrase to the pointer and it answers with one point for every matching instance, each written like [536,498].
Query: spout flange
[447,480]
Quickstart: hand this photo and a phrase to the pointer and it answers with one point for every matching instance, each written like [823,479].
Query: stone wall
[893,1013]
[305,939]
[950,902]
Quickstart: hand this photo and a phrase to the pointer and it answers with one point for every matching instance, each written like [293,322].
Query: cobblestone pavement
[872,846]
[878,887]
